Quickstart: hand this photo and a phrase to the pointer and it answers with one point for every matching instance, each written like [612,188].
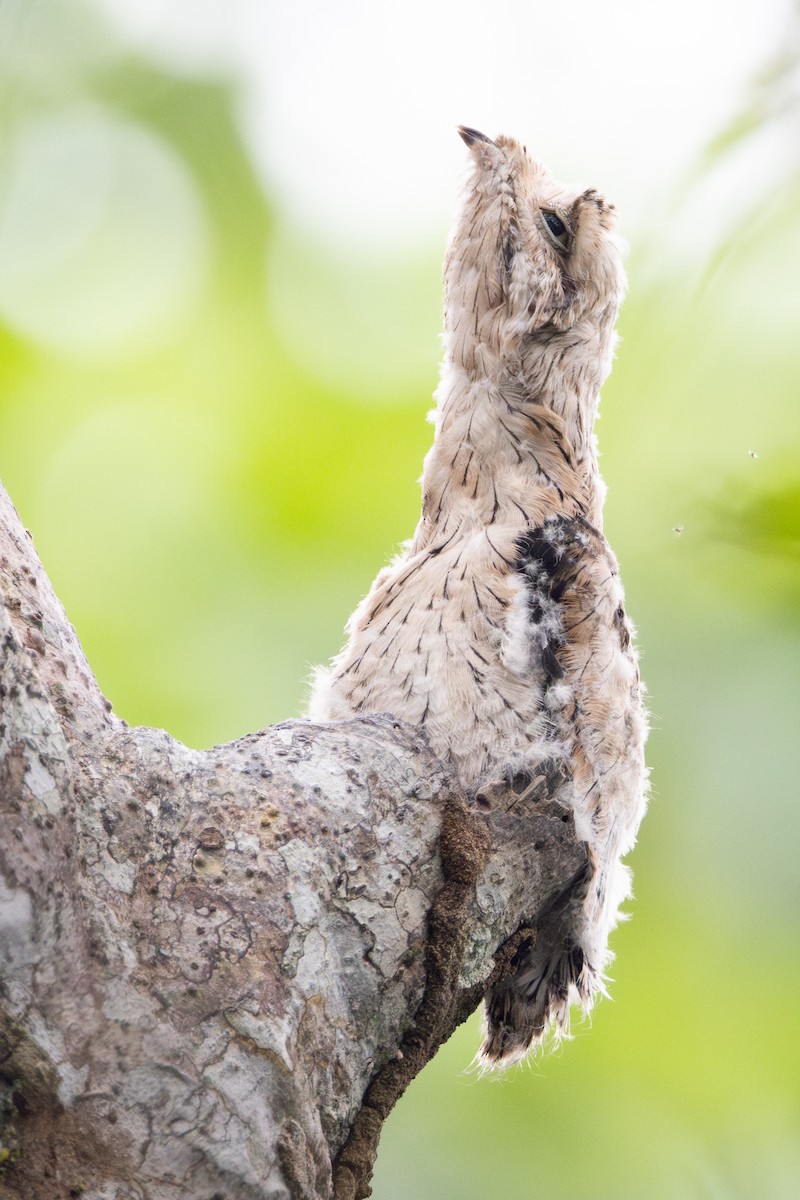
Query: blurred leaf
[771,103]
[764,522]
[773,94]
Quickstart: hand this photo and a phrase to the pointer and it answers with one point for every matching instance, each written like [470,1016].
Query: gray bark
[221,968]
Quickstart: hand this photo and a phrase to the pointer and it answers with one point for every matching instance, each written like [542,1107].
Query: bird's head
[529,258]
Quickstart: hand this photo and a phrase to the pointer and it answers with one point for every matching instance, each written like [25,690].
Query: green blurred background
[212,420]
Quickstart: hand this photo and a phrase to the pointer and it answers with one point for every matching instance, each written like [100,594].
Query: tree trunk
[221,968]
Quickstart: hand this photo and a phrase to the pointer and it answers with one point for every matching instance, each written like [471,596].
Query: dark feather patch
[548,557]
[552,667]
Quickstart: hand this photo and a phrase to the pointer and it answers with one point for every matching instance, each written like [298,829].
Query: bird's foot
[534,785]
[523,786]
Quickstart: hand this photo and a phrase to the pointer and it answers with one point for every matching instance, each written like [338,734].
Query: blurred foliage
[772,96]
[214,426]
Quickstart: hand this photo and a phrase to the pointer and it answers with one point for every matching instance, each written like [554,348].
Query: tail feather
[550,974]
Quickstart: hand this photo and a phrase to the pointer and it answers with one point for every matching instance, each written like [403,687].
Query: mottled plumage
[501,626]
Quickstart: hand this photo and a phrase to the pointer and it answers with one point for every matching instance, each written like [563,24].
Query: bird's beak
[471,136]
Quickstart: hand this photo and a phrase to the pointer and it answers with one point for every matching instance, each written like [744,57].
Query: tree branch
[221,968]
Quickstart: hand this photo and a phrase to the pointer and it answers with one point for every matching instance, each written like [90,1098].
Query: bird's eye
[558,232]
[555,225]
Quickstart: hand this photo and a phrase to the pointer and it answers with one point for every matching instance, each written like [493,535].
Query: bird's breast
[429,644]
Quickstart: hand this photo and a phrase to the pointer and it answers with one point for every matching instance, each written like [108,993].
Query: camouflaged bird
[501,626]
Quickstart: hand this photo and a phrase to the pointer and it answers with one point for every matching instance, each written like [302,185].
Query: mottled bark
[221,968]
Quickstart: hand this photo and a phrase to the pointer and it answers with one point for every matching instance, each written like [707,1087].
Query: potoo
[501,626]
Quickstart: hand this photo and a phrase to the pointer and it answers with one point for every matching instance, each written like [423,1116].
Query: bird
[500,627]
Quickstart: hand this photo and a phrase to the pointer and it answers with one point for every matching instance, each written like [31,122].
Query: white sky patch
[349,108]
[102,236]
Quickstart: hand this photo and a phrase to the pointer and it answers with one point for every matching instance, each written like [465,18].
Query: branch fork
[220,969]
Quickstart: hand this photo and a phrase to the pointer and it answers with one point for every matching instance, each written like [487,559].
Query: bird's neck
[514,442]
